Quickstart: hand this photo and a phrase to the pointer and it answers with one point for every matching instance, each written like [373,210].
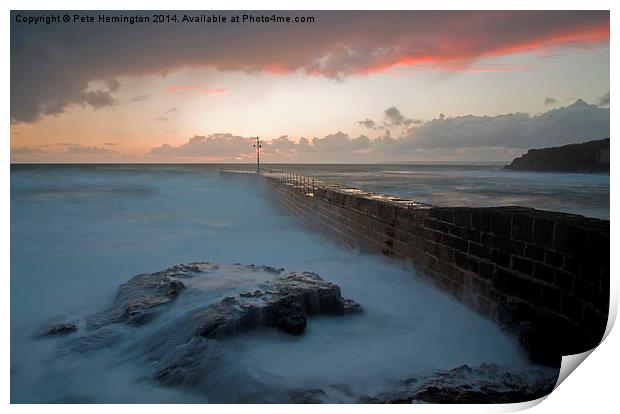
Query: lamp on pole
[258,146]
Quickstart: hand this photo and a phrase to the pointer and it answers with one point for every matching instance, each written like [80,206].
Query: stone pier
[542,275]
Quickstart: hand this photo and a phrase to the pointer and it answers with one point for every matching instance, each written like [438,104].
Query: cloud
[462,137]
[171,110]
[113,84]
[550,101]
[368,123]
[216,145]
[97,99]
[574,123]
[140,98]
[78,149]
[50,71]
[604,100]
[109,144]
[26,150]
[395,118]
[182,88]
[161,118]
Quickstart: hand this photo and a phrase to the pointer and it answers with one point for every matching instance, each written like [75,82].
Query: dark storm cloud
[52,65]
[604,100]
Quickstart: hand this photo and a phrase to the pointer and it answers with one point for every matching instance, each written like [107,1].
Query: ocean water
[77,232]
[483,185]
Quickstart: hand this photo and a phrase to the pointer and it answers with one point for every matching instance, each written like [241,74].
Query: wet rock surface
[484,384]
[59,328]
[284,303]
[180,351]
[144,296]
[200,305]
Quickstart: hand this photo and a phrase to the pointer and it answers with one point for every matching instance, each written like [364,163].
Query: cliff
[592,156]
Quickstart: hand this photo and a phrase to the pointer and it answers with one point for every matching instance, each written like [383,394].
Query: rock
[311,396]
[143,297]
[587,157]
[180,348]
[283,303]
[485,384]
[62,328]
[410,381]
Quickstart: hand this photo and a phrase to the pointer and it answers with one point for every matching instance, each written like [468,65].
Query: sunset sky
[349,87]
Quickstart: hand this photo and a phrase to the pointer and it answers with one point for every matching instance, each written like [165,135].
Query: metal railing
[311,186]
[303,183]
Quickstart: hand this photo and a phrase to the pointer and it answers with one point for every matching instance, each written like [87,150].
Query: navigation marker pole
[258,146]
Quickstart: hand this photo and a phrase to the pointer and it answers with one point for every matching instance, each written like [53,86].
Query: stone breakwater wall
[542,275]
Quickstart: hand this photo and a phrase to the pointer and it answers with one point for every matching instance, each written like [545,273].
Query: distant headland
[587,157]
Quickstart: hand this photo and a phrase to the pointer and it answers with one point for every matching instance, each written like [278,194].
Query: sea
[79,231]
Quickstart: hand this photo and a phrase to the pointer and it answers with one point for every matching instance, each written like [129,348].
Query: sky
[405,86]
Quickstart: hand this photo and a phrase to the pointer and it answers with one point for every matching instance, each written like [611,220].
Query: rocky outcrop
[485,384]
[284,303]
[143,297]
[592,156]
[178,350]
[59,328]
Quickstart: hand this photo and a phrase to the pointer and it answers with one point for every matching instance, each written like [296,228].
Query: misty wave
[68,258]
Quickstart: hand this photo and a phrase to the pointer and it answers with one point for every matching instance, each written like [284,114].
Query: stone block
[501,224]
[564,280]
[479,250]
[535,253]
[522,265]
[481,220]
[486,270]
[544,232]
[570,240]
[500,257]
[554,258]
[461,260]
[462,217]
[437,225]
[522,227]
[544,272]
[552,298]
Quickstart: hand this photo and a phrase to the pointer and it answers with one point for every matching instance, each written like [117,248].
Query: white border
[590,389]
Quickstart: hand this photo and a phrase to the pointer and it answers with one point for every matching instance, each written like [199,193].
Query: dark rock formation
[486,384]
[311,396]
[61,328]
[178,351]
[588,157]
[284,303]
[142,298]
